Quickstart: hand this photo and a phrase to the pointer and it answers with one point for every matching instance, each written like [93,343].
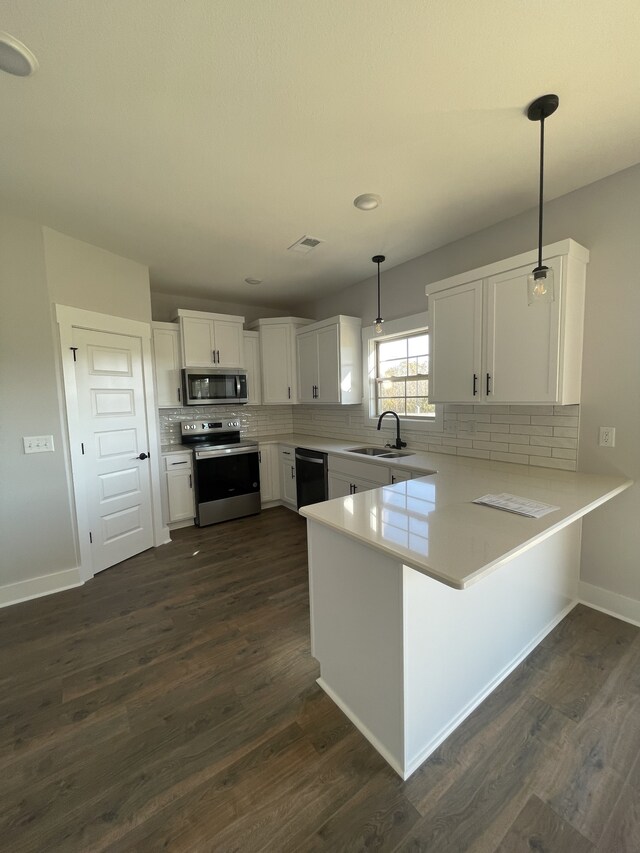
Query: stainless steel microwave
[202,387]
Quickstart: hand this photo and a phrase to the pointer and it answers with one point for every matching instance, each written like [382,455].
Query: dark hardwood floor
[171,704]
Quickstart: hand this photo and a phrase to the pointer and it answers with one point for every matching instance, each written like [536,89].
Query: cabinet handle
[355,488]
[190,481]
[393,479]
[186,462]
[475,384]
[286,453]
[259,456]
[213,356]
[488,383]
[218,355]
[350,488]
[293,473]
[179,395]
[289,391]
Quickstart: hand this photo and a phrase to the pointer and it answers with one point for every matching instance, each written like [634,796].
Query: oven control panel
[208,426]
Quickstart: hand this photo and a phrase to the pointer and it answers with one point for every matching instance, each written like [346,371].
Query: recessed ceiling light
[253,280]
[367,201]
[15,57]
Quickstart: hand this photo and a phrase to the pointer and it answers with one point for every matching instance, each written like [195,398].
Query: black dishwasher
[311,476]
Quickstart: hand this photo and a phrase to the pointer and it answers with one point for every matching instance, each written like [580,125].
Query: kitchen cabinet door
[522,340]
[288,482]
[198,344]
[166,363]
[328,360]
[276,354]
[455,344]
[269,473]
[251,342]
[228,343]
[307,349]
[180,495]
[339,486]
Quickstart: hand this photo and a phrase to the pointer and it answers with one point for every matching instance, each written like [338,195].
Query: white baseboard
[14,593]
[611,603]
[357,722]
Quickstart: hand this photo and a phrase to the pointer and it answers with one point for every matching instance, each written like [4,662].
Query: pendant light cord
[541,191]
[379,315]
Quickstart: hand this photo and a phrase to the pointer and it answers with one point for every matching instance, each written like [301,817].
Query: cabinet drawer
[177,462]
[288,454]
[360,470]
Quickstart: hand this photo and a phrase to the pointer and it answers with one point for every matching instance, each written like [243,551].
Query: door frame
[69,318]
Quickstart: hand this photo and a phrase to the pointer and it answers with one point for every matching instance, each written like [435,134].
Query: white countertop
[431,524]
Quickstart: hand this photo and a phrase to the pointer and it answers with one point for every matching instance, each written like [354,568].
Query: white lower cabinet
[396,476]
[178,481]
[349,476]
[288,476]
[269,473]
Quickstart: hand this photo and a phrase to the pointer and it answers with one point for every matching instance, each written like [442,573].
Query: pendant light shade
[378,259]
[540,285]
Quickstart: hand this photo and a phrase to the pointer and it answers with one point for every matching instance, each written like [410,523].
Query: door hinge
[90,538]
[74,350]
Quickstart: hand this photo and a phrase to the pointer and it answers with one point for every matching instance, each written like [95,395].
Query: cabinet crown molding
[566,248]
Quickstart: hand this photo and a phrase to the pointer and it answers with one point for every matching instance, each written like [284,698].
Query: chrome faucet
[399,443]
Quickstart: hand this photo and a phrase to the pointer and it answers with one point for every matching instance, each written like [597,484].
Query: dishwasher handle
[309,459]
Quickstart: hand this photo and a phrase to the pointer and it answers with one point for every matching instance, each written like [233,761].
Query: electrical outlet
[38,443]
[607,437]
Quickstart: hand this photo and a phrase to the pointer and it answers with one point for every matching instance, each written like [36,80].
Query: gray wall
[604,217]
[39,267]
[165,304]
[35,513]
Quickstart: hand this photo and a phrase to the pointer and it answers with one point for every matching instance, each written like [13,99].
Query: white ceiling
[203,137]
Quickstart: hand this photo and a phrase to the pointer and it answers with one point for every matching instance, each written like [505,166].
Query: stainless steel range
[227,476]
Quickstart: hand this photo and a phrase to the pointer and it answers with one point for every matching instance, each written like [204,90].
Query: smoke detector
[305,245]
[15,57]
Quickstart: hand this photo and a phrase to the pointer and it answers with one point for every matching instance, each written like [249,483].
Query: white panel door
[113,425]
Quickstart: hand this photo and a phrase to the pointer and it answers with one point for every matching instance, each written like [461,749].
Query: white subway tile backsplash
[555,420]
[501,433]
[527,435]
[518,458]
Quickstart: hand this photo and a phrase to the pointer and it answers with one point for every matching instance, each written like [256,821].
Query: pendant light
[540,280]
[378,259]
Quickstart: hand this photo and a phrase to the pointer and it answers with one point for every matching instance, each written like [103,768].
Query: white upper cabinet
[211,340]
[278,358]
[329,357]
[252,366]
[166,361]
[488,345]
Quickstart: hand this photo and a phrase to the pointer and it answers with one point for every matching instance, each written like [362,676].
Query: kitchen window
[397,374]
[402,376]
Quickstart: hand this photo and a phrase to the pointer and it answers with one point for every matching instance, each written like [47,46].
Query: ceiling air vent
[305,244]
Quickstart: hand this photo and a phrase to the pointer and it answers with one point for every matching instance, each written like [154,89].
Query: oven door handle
[220,454]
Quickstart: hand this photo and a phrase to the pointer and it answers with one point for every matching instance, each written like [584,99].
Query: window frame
[404,326]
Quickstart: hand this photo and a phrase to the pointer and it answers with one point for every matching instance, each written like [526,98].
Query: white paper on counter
[514,503]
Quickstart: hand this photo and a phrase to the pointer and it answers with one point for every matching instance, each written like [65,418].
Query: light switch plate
[38,443]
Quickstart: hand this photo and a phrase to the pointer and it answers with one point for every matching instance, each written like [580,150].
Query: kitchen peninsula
[422,601]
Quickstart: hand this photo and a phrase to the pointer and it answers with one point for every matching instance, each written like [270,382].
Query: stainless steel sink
[382,452]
